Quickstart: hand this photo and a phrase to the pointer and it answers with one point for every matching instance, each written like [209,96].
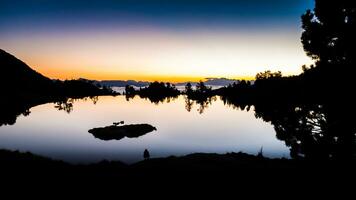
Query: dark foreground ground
[204,171]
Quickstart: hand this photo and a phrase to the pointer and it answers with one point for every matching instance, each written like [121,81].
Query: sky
[164,40]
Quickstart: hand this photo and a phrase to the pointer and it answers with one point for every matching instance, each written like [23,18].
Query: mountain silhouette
[18,78]
[23,88]
[122,83]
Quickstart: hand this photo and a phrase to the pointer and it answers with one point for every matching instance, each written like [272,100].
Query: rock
[115,132]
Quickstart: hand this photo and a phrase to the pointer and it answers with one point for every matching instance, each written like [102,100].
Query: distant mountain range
[18,77]
[212,82]
[123,83]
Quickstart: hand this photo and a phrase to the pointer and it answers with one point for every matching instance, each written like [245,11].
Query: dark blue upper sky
[169,13]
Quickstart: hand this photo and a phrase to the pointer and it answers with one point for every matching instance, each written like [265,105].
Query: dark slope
[17,77]
[23,87]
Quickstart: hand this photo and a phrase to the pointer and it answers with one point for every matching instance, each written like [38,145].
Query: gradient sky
[173,40]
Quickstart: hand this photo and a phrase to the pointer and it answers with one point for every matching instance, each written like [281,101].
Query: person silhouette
[146,154]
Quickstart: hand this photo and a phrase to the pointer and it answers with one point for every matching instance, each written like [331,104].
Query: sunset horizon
[70,74]
[155,41]
[190,94]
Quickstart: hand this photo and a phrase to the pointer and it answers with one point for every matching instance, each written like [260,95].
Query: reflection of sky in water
[220,129]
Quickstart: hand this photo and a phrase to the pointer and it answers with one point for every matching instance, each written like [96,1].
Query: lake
[61,132]
[181,88]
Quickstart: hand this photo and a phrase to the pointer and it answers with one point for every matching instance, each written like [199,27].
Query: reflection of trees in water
[313,131]
[320,131]
[235,103]
[203,104]
[153,99]
[94,99]
[129,96]
[158,100]
[12,108]
[317,131]
[67,104]
[188,104]
[9,113]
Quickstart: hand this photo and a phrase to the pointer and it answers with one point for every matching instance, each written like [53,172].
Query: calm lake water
[181,88]
[58,134]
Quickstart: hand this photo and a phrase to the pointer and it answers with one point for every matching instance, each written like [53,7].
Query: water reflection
[10,112]
[65,136]
[11,109]
[202,104]
[314,131]
[235,103]
[153,99]
[67,104]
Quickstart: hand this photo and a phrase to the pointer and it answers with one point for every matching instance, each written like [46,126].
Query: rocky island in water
[117,132]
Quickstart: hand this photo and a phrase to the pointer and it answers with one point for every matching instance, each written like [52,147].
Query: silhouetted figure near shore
[260,153]
[146,154]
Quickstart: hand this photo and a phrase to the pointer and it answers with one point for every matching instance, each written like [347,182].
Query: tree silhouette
[201,88]
[268,75]
[130,90]
[188,89]
[329,32]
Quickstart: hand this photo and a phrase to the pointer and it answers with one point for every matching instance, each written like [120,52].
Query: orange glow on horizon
[158,55]
[75,74]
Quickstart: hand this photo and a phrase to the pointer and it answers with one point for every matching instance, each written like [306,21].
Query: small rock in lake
[115,132]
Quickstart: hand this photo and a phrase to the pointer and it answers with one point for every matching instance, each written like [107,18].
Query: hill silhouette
[16,76]
[20,80]
[22,88]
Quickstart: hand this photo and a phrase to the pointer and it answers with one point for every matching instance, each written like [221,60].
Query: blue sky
[30,29]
